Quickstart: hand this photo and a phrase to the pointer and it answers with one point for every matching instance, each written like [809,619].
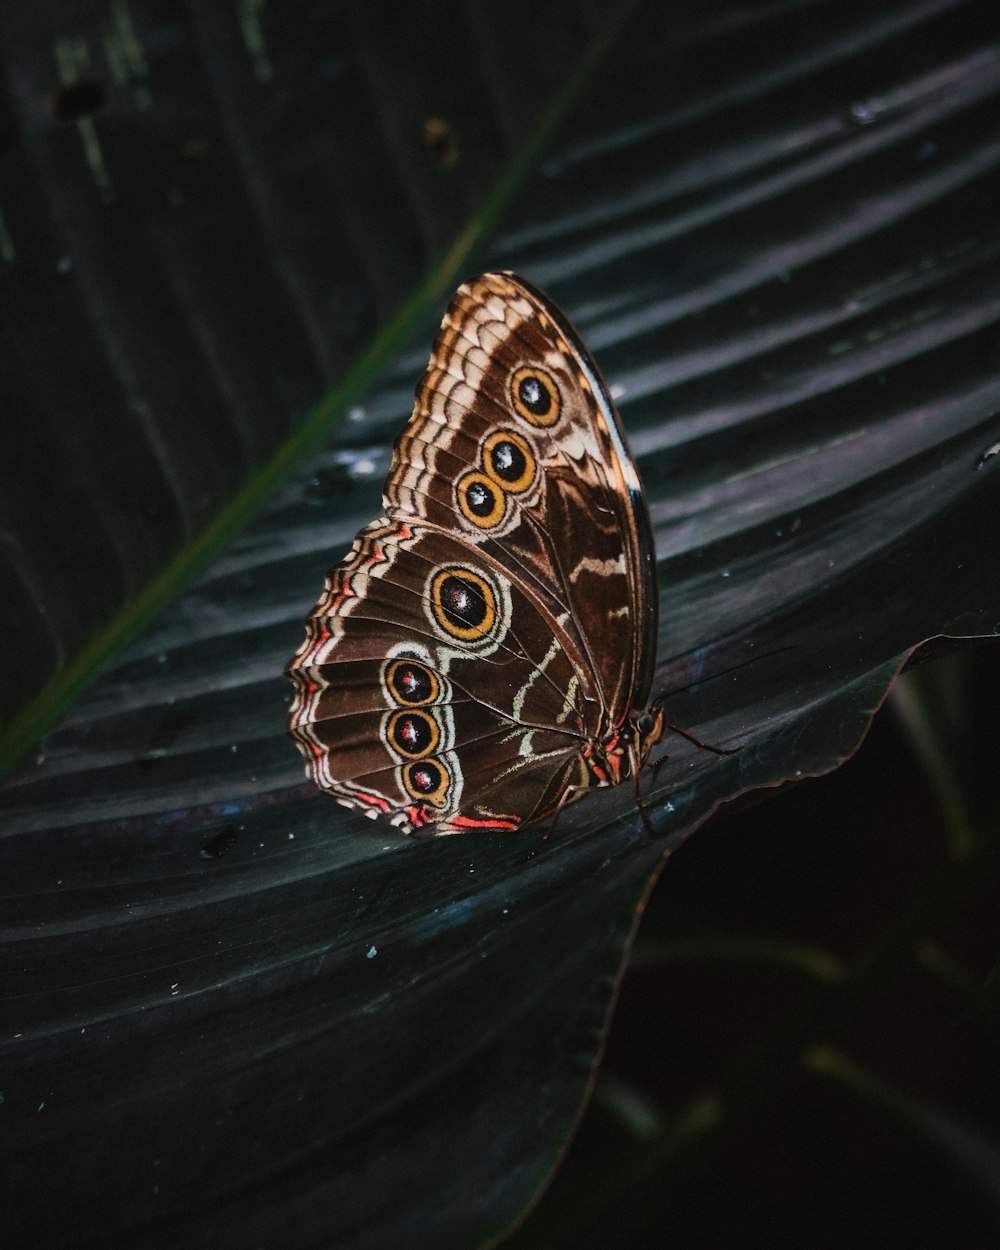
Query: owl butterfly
[484,653]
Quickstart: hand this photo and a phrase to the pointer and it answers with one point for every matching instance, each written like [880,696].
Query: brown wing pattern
[576,530]
[498,617]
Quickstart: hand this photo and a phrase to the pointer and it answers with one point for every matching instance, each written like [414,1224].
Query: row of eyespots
[507,465]
[413,733]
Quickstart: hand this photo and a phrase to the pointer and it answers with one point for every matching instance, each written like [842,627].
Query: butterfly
[484,653]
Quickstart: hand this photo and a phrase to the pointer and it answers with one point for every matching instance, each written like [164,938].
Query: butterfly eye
[649,727]
[463,604]
[508,460]
[535,396]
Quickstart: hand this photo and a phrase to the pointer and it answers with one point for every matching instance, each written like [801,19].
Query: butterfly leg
[636,768]
[656,765]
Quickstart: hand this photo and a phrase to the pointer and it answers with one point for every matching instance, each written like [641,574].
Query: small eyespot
[508,460]
[535,396]
[412,733]
[427,780]
[480,501]
[412,683]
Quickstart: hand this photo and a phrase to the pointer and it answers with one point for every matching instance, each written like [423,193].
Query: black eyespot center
[413,733]
[481,498]
[424,778]
[534,395]
[427,779]
[462,602]
[412,683]
[508,460]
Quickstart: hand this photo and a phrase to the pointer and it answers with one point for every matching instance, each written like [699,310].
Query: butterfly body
[484,652]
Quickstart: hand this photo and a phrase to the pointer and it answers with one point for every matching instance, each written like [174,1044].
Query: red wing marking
[420,814]
[372,800]
[498,822]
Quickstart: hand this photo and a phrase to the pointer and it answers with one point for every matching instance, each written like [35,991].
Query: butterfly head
[623,750]
[647,730]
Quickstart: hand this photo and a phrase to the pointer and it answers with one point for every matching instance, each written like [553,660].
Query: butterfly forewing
[548,486]
[500,618]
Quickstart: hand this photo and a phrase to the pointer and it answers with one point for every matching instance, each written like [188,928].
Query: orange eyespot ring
[412,733]
[481,500]
[463,603]
[411,683]
[509,461]
[535,396]
[427,780]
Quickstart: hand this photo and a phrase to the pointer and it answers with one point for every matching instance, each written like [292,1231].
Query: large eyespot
[412,683]
[427,780]
[535,396]
[413,733]
[463,603]
[508,460]
[480,500]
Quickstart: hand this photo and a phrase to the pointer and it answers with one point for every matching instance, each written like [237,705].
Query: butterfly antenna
[726,672]
[658,700]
